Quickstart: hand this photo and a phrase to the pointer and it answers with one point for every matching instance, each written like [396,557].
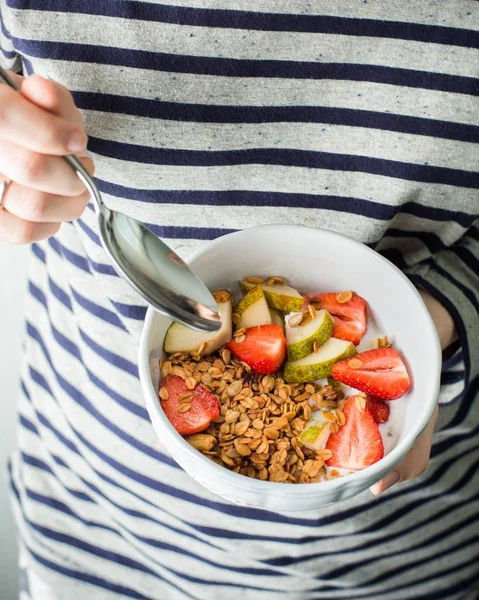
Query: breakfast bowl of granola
[324,373]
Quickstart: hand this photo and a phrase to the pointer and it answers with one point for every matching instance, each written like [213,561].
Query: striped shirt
[355,116]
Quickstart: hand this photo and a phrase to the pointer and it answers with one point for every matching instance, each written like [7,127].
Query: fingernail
[385,483]
[76,141]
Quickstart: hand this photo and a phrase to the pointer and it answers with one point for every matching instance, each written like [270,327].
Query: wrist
[443,321]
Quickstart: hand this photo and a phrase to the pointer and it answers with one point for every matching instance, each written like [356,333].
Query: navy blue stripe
[136,409]
[98,311]
[171,232]
[41,418]
[77,260]
[213,113]
[460,585]
[439,574]
[37,293]
[3,29]
[83,401]
[395,256]
[72,349]
[130,563]
[284,157]
[467,257]
[232,67]
[473,299]
[357,206]
[454,360]
[8,55]
[261,21]
[465,406]
[88,578]
[38,378]
[39,252]
[386,522]
[156,543]
[32,461]
[60,294]
[129,511]
[185,233]
[27,66]
[425,543]
[90,233]
[130,311]
[80,261]
[55,504]
[431,240]
[115,557]
[450,377]
[111,357]
[24,422]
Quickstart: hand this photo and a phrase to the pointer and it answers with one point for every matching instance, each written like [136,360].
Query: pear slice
[280,297]
[315,435]
[300,339]
[276,317]
[180,338]
[253,309]
[318,364]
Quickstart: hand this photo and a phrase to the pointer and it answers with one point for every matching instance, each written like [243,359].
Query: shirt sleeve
[452,276]
[9,59]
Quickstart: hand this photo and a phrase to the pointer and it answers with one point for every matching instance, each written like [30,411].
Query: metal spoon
[146,262]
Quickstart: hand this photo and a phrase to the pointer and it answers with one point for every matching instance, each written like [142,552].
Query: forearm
[443,321]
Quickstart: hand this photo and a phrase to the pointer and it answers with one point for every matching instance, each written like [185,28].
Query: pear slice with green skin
[279,297]
[180,338]
[300,339]
[315,436]
[318,364]
[253,309]
[276,317]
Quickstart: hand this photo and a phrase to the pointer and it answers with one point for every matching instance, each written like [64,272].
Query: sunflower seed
[343,297]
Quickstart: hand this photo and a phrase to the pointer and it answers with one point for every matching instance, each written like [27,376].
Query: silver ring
[5,184]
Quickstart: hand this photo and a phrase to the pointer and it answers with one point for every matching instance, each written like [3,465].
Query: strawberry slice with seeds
[380,373]
[263,349]
[358,444]
[379,409]
[204,407]
[350,318]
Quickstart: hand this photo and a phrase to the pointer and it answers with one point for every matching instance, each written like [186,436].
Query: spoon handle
[72,160]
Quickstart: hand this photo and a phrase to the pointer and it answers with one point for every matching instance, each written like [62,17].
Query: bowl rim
[238,481]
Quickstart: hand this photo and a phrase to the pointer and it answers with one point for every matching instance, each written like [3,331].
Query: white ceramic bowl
[311,260]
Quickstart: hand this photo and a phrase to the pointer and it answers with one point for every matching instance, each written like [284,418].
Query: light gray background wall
[13,261]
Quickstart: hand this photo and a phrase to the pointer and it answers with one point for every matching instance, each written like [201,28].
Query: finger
[49,174]
[52,96]
[414,463]
[32,127]
[40,207]
[17,231]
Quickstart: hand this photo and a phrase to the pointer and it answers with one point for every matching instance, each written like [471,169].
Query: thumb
[386,482]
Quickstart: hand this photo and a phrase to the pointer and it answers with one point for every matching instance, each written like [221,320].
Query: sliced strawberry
[380,373]
[263,349]
[379,409]
[350,318]
[204,407]
[358,444]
